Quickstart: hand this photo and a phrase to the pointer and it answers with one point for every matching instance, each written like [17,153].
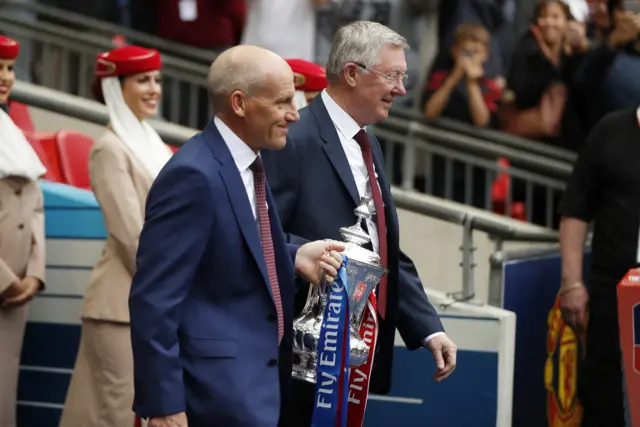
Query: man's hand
[626,28]
[576,38]
[473,69]
[573,304]
[175,420]
[21,292]
[317,258]
[444,354]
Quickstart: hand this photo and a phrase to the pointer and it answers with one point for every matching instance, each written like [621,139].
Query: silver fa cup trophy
[363,275]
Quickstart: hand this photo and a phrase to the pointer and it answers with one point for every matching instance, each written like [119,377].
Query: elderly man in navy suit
[211,303]
[329,163]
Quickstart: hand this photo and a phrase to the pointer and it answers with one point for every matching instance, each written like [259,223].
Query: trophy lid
[355,237]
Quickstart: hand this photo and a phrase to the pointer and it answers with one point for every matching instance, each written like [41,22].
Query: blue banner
[332,378]
[548,356]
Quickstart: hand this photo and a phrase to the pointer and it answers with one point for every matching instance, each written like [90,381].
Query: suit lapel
[238,196]
[333,147]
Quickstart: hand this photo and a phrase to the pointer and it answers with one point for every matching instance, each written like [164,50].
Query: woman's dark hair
[96,88]
[543,4]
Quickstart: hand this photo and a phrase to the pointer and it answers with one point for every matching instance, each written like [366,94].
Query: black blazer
[315,192]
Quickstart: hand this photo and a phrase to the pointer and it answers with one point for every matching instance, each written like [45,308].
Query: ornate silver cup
[363,275]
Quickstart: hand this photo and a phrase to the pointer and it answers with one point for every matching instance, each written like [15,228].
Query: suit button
[18,192]
[272,318]
[21,226]
[272,362]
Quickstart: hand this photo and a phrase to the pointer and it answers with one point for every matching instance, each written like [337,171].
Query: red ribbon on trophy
[360,376]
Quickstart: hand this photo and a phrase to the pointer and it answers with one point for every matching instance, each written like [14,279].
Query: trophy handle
[315,297]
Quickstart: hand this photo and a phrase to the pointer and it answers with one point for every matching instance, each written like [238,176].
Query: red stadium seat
[173,148]
[73,148]
[20,115]
[43,144]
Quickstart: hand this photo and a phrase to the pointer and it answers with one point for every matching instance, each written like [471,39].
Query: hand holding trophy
[332,322]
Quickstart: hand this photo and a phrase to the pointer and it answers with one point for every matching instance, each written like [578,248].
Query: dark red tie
[365,145]
[267,242]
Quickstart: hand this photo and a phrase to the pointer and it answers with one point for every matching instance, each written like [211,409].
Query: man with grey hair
[330,157]
[211,303]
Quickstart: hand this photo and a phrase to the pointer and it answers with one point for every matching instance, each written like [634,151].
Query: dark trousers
[300,411]
[600,385]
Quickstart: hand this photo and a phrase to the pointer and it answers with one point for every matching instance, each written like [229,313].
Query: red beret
[308,76]
[9,48]
[127,60]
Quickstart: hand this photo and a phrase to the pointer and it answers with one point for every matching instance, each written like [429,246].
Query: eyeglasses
[390,78]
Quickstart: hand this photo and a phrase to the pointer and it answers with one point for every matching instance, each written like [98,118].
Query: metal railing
[64,59]
[108,30]
[470,219]
[462,168]
[522,144]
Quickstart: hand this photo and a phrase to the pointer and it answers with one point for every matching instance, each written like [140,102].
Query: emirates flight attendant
[21,236]
[123,164]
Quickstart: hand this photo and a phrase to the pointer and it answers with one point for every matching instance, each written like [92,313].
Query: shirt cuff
[430,337]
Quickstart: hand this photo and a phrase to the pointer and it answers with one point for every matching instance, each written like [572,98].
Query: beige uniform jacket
[120,184]
[22,238]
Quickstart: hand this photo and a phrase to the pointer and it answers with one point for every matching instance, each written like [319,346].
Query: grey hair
[225,77]
[361,42]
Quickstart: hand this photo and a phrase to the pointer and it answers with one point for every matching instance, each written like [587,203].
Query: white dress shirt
[347,129]
[243,156]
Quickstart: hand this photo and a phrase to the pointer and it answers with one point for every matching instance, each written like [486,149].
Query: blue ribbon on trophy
[332,385]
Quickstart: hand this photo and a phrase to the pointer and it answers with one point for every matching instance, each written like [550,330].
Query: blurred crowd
[544,70]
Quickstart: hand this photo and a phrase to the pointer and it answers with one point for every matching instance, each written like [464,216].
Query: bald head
[248,69]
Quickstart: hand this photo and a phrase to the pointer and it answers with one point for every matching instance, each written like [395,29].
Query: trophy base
[303,374]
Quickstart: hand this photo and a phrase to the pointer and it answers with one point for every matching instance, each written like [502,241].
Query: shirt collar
[340,118]
[242,154]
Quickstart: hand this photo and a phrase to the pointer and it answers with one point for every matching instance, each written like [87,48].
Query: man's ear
[238,103]
[350,72]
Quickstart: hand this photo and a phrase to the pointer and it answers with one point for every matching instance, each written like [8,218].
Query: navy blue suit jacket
[203,321]
[316,194]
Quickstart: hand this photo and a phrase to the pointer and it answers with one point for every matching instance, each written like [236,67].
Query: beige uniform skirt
[101,389]
[12,326]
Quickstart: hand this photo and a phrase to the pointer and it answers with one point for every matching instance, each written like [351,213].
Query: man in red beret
[309,78]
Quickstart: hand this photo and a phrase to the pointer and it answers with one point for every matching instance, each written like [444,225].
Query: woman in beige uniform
[123,163]
[21,236]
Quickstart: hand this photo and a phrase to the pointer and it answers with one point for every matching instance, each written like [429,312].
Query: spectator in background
[493,15]
[123,164]
[286,27]
[309,80]
[608,74]
[458,87]
[207,24]
[538,102]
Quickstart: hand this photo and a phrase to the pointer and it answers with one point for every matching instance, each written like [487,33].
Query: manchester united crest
[565,353]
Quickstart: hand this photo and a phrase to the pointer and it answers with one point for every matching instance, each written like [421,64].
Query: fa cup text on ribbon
[329,355]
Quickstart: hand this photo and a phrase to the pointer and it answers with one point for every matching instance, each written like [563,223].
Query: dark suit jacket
[316,194]
[203,320]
